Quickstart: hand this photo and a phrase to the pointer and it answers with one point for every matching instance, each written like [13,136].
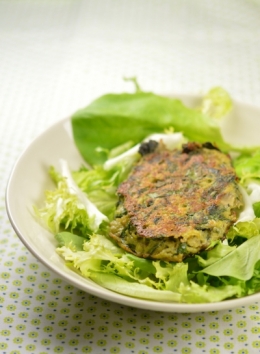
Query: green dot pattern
[43,314]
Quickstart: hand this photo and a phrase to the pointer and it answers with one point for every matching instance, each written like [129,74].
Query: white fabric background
[55,57]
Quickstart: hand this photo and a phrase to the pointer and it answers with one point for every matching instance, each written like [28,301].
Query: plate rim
[97,290]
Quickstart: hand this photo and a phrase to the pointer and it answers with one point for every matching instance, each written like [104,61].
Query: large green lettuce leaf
[239,263]
[141,291]
[115,119]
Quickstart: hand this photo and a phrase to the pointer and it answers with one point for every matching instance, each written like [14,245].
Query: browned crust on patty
[183,199]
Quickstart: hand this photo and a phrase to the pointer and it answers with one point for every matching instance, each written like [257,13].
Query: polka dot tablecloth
[55,57]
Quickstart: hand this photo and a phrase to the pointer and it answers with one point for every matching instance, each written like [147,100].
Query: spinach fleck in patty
[175,203]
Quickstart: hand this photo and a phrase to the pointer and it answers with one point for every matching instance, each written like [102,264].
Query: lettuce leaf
[72,241]
[246,230]
[141,291]
[169,139]
[203,294]
[63,211]
[226,271]
[115,119]
[67,207]
[216,103]
[239,263]
[100,187]
[215,254]
[247,166]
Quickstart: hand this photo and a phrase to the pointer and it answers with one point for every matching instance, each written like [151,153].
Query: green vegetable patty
[176,203]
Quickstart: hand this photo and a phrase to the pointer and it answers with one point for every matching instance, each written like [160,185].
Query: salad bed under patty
[204,195]
[176,203]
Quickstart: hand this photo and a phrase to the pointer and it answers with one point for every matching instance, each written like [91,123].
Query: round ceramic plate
[29,179]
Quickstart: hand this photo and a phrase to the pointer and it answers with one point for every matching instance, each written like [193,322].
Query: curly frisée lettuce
[68,207]
[82,203]
[232,271]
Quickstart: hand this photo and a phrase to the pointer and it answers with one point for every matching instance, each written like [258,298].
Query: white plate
[29,179]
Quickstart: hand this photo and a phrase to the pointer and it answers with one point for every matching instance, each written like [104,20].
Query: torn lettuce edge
[101,260]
